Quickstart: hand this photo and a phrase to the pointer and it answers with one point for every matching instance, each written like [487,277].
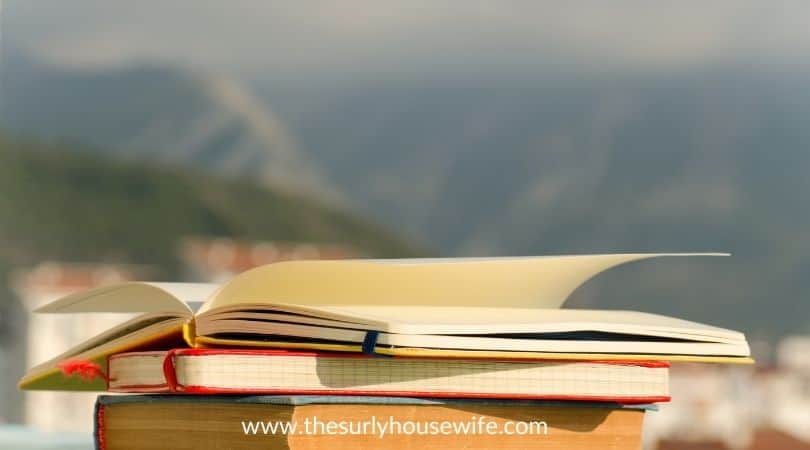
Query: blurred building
[734,408]
[762,439]
[48,335]
[710,404]
[787,389]
[44,336]
[793,354]
[218,259]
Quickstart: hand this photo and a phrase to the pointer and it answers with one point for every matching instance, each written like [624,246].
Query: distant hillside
[68,204]
[511,166]
[714,160]
[154,113]
[711,160]
[65,203]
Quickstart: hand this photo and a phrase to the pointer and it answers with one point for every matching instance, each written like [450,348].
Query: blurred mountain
[70,204]
[154,113]
[705,160]
[66,203]
[495,167]
[716,160]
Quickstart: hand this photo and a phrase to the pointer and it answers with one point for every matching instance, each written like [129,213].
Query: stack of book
[458,353]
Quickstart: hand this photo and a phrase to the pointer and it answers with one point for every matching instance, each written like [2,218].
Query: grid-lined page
[413,375]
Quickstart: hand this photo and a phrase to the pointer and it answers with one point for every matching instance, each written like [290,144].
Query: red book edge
[101,442]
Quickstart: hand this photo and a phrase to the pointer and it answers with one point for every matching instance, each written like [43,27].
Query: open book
[465,308]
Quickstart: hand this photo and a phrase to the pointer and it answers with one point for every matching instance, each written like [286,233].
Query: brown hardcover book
[310,422]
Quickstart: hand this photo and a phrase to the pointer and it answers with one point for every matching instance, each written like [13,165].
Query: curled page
[134,297]
[514,282]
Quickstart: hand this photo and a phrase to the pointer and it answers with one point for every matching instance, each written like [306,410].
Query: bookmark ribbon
[83,368]
[370,344]
[169,372]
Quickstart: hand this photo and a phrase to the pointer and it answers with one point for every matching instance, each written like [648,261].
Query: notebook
[229,371]
[155,422]
[467,308]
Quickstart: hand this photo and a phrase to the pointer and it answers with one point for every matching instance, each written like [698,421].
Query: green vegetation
[79,206]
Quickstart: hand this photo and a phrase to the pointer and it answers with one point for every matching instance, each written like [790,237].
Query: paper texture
[482,320]
[133,297]
[520,282]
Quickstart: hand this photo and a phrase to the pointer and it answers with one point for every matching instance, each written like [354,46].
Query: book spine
[190,332]
[98,426]
[107,380]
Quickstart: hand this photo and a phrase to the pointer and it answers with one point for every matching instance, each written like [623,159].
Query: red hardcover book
[245,371]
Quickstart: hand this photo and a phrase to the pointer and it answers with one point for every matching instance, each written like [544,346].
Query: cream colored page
[452,320]
[527,282]
[125,337]
[133,297]
[476,321]
[495,343]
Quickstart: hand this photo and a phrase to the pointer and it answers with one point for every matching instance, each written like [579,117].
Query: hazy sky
[252,38]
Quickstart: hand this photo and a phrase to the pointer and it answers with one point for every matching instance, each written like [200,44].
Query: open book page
[586,342]
[565,346]
[517,355]
[167,307]
[519,282]
[609,333]
[134,297]
[479,320]
[159,330]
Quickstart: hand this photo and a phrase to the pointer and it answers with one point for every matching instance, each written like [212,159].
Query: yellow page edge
[475,354]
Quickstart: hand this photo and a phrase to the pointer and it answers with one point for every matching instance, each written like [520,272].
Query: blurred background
[195,139]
